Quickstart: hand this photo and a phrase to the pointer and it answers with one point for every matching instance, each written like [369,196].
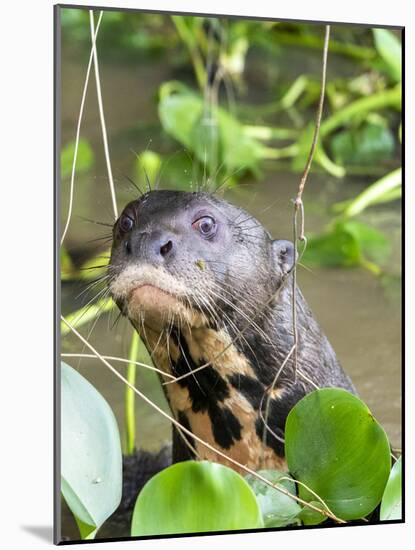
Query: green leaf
[277,509]
[337,449]
[391,507]
[373,244]
[360,108]
[147,165]
[194,497]
[390,49]
[388,186]
[303,150]
[87,532]
[87,313]
[214,136]
[310,517]
[66,264]
[347,243]
[84,159]
[91,453]
[333,248]
[366,145]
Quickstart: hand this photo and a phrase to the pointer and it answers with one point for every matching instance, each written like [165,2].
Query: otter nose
[160,246]
[166,248]
[156,246]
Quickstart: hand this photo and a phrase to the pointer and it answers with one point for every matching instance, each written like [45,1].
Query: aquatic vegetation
[339,467]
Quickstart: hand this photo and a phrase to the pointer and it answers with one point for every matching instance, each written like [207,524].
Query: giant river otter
[207,288]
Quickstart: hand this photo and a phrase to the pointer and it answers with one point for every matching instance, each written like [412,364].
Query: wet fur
[240,282]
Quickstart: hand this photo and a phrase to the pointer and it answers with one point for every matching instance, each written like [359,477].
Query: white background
[26,232]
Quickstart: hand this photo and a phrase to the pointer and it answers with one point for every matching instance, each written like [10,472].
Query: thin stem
[298,203]
[318,116]
[130,395]
[78,131]
[101,114]
[120,359]
[194,436]
[270,390]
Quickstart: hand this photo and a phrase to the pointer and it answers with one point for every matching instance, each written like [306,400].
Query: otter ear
[284,255]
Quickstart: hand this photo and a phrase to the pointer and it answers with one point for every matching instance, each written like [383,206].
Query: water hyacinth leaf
[391,506]
[238,149]
[389,48]
[373,244]
[277,509]
[366,145]
[91,453]
[336,448]
[347,243]
[211,134]
[334,248]
[309,516]
[193,497]
[84,158]
[179,111]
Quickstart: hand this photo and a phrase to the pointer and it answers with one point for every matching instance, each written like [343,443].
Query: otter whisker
[96,222]
[92,285]
[135,185]
[94,267]
[203,302]
[153,351]
[98,316]
[115,323]
[239,334]
[227,178]
[86,307]
[104,239]
[232,324]
[245,316]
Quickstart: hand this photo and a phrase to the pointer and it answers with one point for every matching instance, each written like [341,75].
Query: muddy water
[359,313]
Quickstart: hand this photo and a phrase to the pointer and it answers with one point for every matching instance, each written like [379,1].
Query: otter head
[186,258]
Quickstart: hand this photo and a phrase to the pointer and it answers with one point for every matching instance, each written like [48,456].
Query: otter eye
[206,226]
[126,223]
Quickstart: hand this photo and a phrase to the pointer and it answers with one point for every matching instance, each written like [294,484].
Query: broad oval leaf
[277,509]
[310,516]
[391,507]
[336,448]
[90,451]
[369,144]
[193,497]
[214,136]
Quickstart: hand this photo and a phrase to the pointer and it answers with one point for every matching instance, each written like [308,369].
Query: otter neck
[220,391]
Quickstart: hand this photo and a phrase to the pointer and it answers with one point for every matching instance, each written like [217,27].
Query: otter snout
[154,247]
